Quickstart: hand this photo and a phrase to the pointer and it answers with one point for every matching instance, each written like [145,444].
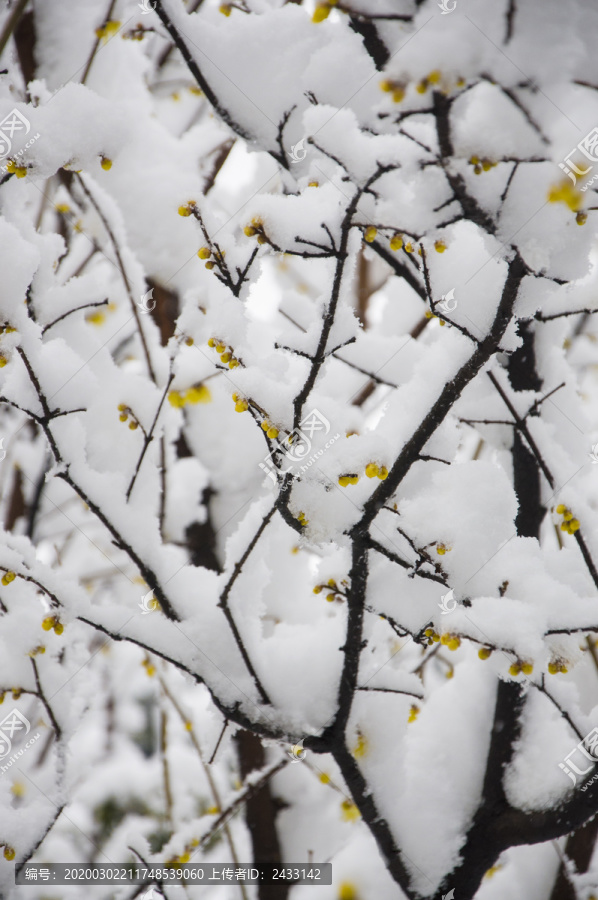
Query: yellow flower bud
[320,13]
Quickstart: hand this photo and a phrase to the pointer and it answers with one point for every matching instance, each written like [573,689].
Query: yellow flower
[349,811]
[346,891]
[413,713]
[20,171]
[567,193]
[9,853]
[492,871]
[204,253]
[106,163]
[8,577]
[370,234]
[361,747]
[241,406]
[396,242]
[371,470]
[225,9]
[272,432]
[527,668]
[149,668]
[514,669]
[439,246]
[434,77]
[484,652]
[324,778]
[345,480]
[581,218]
[95,318]
[383,473]
[199,393]
[176,399]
